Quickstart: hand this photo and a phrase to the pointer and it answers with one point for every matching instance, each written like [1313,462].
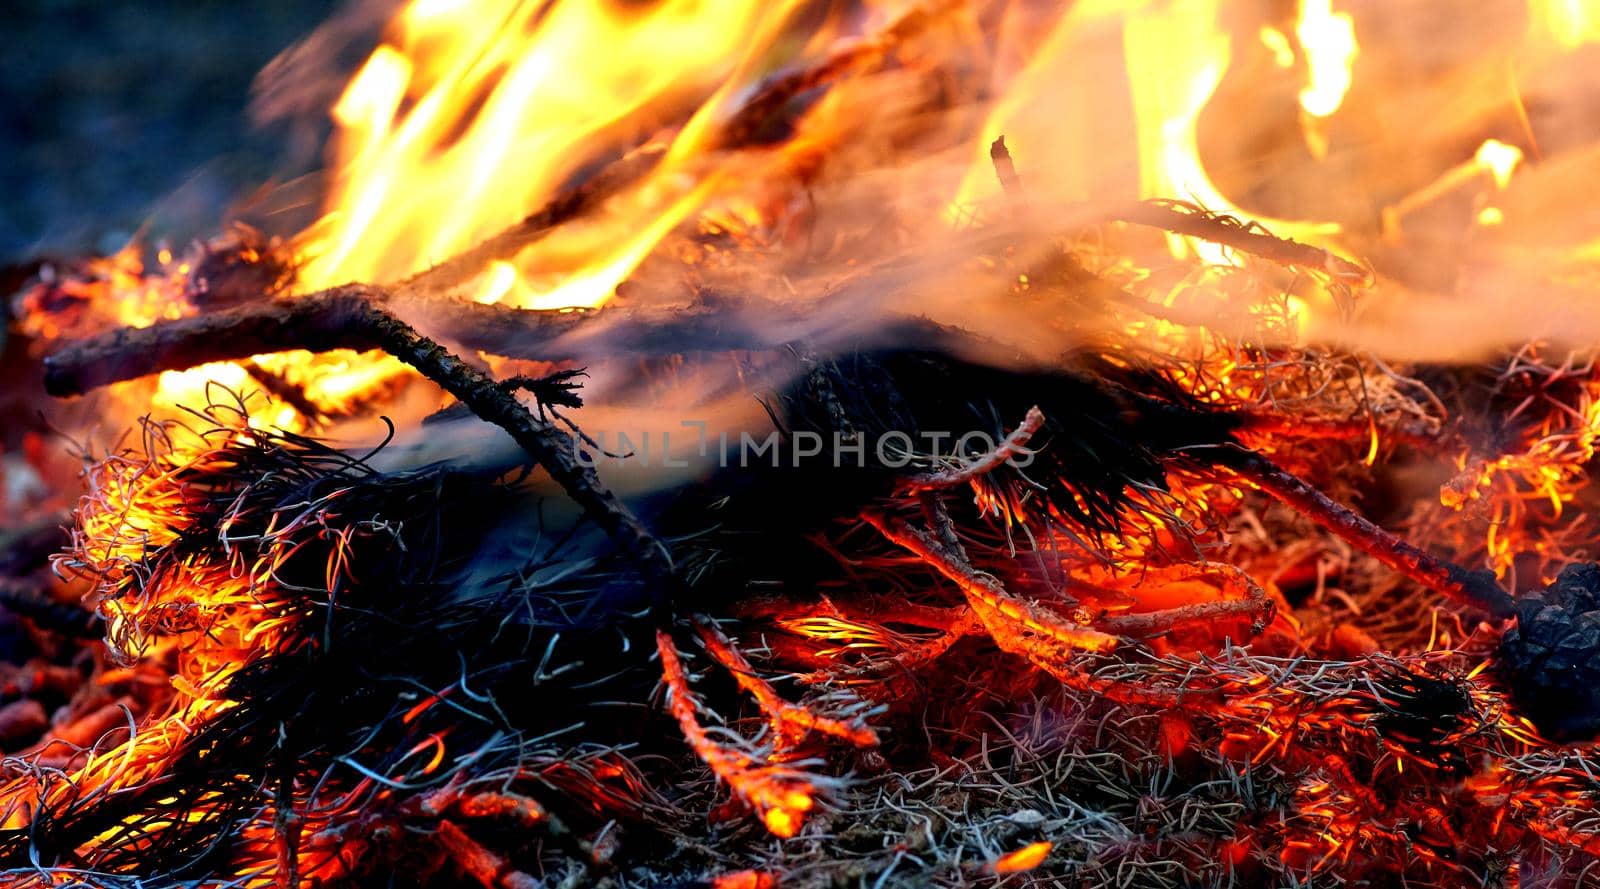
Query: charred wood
[1474,589]
[334,319]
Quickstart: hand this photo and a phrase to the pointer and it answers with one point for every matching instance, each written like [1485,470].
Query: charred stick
[1005,170]
[940,523]
[318,323]
[1187,219]
[1474,589]
[548,446]
[355,316]
[333,319]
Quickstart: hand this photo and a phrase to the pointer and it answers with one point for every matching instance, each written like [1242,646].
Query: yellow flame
[476,112]
[498,282]
[1329,40]
[1572,23]
[1177,54]
[1499,159]
[1275,42]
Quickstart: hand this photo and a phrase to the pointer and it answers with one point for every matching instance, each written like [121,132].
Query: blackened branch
[551,448]
[1474,589]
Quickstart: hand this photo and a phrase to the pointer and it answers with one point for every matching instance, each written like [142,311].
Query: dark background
[117,115]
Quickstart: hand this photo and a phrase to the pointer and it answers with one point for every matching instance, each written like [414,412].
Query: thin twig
[782,797]
[1016,624]
[1006,171]
[1014,444]
[1475,589]
[1183,218]
[548,446]
[790,719]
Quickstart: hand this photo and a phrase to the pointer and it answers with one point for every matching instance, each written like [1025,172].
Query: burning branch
[791,721]
[1183,218]
[335,319]
[548,446]
[317,323]
[508,807]
[358,317]
[1474,589]
[1017,625]
[463,268]
[1256,606]
[768,103]
[781,796]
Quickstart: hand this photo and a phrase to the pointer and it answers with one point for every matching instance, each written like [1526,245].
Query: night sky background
[117,116]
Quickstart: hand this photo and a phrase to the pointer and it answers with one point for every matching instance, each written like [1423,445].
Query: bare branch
[1005,450]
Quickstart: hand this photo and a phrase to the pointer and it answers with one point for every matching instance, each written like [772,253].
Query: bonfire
[743,444]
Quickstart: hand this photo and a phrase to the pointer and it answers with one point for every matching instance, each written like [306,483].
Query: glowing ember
[1024,859]
[1499,159]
